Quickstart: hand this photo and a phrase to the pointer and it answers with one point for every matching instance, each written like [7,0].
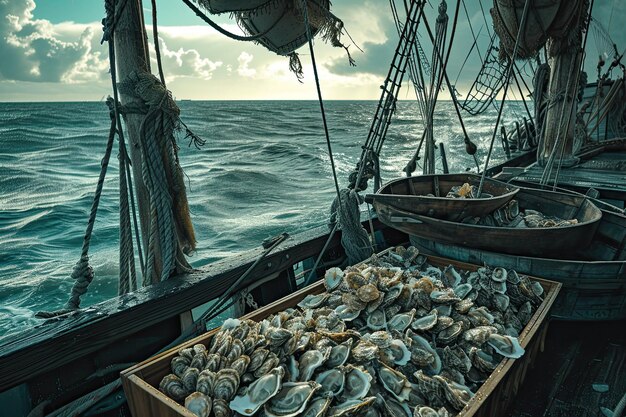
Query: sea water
[264,169]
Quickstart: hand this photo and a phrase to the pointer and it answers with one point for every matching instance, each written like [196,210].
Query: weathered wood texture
[537,241]
[577,355]
[411,194]
[495,394]
[55,343]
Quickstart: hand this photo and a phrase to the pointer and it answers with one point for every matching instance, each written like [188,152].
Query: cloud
[32,51]
[244,60]
[186,63]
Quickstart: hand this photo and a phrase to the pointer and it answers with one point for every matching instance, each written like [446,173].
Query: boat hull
[553,242]
[410,194]
[592,290]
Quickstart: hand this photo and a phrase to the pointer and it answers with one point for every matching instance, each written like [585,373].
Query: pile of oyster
[510,215]
[393,336]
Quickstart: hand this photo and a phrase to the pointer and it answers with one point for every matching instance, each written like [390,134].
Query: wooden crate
[145,400]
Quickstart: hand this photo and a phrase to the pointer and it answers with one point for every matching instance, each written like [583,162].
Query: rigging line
[126,158]
[157,48]
[506,87]
[484,17]
[231,35]
[320,99]
[467,57]
[519,88]
[454,101]
[471,30]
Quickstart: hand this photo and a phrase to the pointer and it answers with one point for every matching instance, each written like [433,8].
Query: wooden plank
[152,370]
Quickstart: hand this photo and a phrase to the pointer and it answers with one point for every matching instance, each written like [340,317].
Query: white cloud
[31,49]
[244,60]
[186,63]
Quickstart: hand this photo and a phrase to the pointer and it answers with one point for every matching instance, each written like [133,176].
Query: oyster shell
[506,346]
[395,382]
[368,293]
[190,379]
[241,364]
[426,322]
[380,338]
[291,400]
[423,411]
[377,320]
[462,290]
[317,407]
[199,360]
[206,381]
[199,404]
[398,352]
[257,359]
[346,313]
[173,387]
[180,365]
[396,408]
[332,381]
[479,335]
[271,361]
[449,334]
[310,361]
[226,384]
[332,278]
[339,354]
[258,393]
[357,382]
[313,300]
[401,321]
[499,274]
[221,408]
[364,351]
[457,395]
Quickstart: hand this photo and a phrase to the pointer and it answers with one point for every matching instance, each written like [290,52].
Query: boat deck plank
[577,355]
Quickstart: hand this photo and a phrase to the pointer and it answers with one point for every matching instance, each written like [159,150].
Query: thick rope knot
[354,237]
[170,226]
[83,274]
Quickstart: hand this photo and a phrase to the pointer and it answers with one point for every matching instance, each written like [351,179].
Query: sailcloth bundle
[555,19]
[280,24]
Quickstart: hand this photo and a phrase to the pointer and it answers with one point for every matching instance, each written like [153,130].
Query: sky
[50,51]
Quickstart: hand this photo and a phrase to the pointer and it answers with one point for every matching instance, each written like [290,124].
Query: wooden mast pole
[565,65]
[132,55]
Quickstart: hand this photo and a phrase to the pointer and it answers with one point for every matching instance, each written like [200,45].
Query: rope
[157,48]
[506,88]
[354,237]
[217,27]
[82,404]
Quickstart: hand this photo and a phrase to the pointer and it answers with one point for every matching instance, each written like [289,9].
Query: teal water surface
[264,169]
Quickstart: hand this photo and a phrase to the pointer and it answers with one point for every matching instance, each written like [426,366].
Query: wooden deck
[603,170]
[580,360]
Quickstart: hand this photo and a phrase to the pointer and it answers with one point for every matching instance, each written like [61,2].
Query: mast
[565,58]
[131,54]
[164,216]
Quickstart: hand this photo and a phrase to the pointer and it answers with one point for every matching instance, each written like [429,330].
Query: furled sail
[547,19]
[221,6]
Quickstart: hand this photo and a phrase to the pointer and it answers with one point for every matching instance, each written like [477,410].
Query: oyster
[317,407]
[395,382]
[479,335]
[276,336]
[241,364]
[206,381]
[482,360]
[199,404]
[190,379]
[506,346]
[377,320]
[199,360]
[358,382]
[364,351]
[332,381]
[401,321]
[499,274]
[457,395]
[368,293]
[173,387]
[462,290]
[396,408]
[332,278]
[451,278]
[450,333]
[257,358]
[346,313]
[221,408]
[313,300]
[423,411]
[380,338]
[258,393]
[271,361]
[291,400]
[426,322]
[398,352]
[480,316]
[446,296]
[236,350]
[339,354]
[310,361]
[180,365]
[226,384]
